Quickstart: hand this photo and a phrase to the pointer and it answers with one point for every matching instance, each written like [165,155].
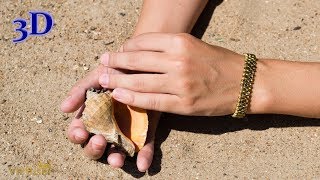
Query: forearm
[174,16]
[284,87]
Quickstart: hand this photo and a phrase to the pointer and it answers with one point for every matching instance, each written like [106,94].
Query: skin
[195,78]
[156,16]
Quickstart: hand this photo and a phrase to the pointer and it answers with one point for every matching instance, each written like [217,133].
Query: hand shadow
[221,125]
[215,126]
[204,19]
[224,124]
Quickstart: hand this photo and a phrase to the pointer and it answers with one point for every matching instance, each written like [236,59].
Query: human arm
[290,87]
[178,16]
[195,78]
[156,16]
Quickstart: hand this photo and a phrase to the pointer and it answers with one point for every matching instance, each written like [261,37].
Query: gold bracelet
[250,67]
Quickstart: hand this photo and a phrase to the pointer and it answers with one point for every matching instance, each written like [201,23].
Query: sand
[35,76]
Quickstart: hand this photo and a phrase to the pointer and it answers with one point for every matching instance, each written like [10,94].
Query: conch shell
[122,125]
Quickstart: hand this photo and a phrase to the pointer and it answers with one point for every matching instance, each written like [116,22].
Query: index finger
[77,94]
[160,42]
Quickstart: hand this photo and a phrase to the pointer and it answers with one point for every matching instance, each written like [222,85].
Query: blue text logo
[34,21]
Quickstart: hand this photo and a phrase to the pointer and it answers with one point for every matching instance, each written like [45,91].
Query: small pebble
[297,28]
[85,68]
[50,130]
[37,119]
[108,43]
[122,14]
[3,101]
[75,67]
[234,39]
[219,39]
[6,38]
[93,28]
[96,35]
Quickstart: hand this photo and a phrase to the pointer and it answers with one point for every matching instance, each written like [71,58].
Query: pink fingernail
[105,59]
[97,146]
[104,79]
[79,136]
[121,95]
[66,101]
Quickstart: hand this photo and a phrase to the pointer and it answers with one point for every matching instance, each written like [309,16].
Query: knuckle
[184,64]
[113,59]
[138,84]
[187,85]
[189,101]
[182,41]
[188,105]
[136,43]
[153,103]
[131,61]
[113,81]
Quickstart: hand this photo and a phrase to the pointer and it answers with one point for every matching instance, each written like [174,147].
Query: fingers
[76,132]
[138,61]
[116,157]
[95,147]
[77,94]
[145,157]
[160,42]
[150,101]
[152,83]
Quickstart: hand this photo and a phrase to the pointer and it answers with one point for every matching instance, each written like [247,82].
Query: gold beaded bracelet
[250,67]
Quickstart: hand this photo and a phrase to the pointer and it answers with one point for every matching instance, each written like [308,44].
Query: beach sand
[36,75]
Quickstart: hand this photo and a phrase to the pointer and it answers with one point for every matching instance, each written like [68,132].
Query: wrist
[262,96]
[286,87]
[141,30]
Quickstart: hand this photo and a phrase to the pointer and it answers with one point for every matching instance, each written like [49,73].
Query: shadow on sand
[210,125]
[214,126]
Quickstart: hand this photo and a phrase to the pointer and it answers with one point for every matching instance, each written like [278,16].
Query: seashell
[124,126]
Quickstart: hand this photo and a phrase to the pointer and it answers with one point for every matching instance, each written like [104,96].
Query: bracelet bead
[247,81]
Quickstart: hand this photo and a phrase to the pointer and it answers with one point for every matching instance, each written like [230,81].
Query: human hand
[179,74]
[96,146]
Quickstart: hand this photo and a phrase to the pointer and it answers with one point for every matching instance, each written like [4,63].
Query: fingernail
[79,136]
[121,95]
[66,101]
[105,59]
[97,146]
[104,79]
